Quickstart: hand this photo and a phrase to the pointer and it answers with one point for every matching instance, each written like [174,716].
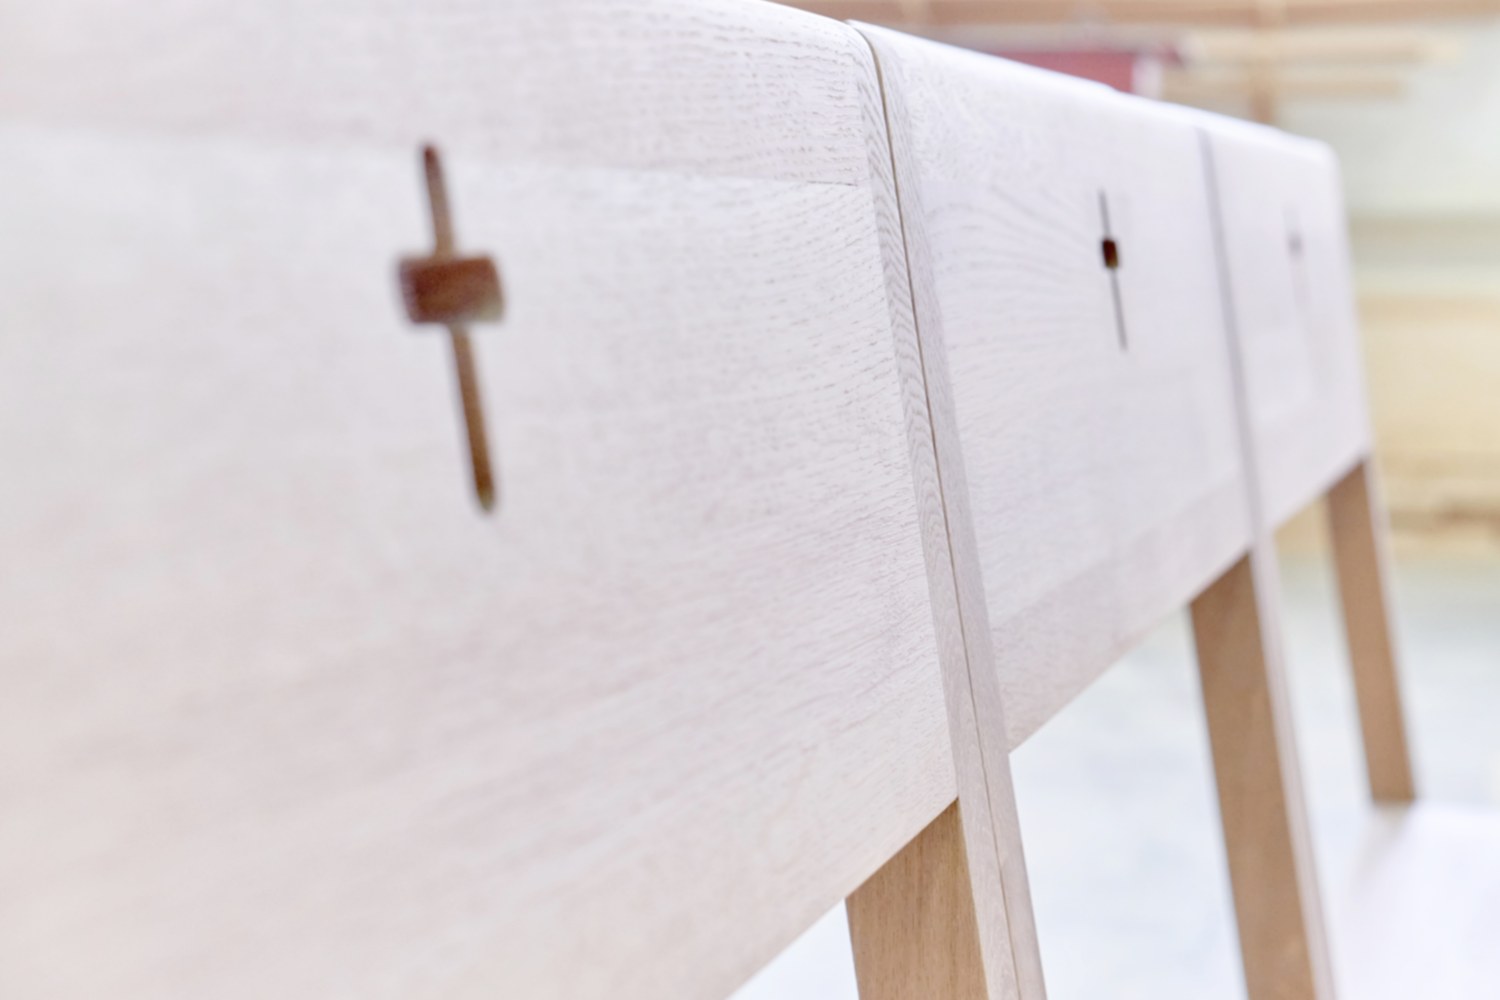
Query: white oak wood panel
[1292,297]
[284,715]
[1290,306]
[977,710]
[1103,480]
[998,903]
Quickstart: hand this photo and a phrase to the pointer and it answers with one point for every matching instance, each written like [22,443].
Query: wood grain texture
[1237,633]
[1290,309]
[1278,910]
[990,824]
[977,712]
[913,923]
[1356,526]
[1103,484]
[284,715]
[1286,244]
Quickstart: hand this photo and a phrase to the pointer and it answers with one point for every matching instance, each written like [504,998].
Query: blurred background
[1116,794]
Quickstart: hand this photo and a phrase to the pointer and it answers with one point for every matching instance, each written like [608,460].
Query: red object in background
[1132,72]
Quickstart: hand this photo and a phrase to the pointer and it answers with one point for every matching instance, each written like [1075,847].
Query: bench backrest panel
[1292,297]
[284,714]
[1094,407]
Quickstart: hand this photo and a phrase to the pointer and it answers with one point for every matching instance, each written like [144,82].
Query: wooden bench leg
[913,924]
[1282,939]
[1356,525]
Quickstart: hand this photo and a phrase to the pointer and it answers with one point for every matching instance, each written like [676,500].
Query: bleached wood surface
[1290,306]
[284,714]
[1292,296]
[1103,479]
[981,738]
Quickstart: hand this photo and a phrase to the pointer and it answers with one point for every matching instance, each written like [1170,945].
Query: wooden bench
[855,402]
[1290,305]
[1062,247]
[1414,913]
[286,713]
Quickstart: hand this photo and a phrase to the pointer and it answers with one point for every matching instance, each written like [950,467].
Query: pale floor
[1121,825]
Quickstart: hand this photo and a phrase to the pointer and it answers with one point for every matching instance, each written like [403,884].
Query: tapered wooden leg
[913,924]
[1282,939]
[1357,526]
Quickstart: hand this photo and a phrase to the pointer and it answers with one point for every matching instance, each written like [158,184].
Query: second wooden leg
[913,924]
[1282,939]
[1356,526]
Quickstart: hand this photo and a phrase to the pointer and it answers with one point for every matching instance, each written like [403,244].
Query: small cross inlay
[1109,249]
[455,291]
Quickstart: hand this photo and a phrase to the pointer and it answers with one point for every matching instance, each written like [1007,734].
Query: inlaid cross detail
[455,291]
[1109,249]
